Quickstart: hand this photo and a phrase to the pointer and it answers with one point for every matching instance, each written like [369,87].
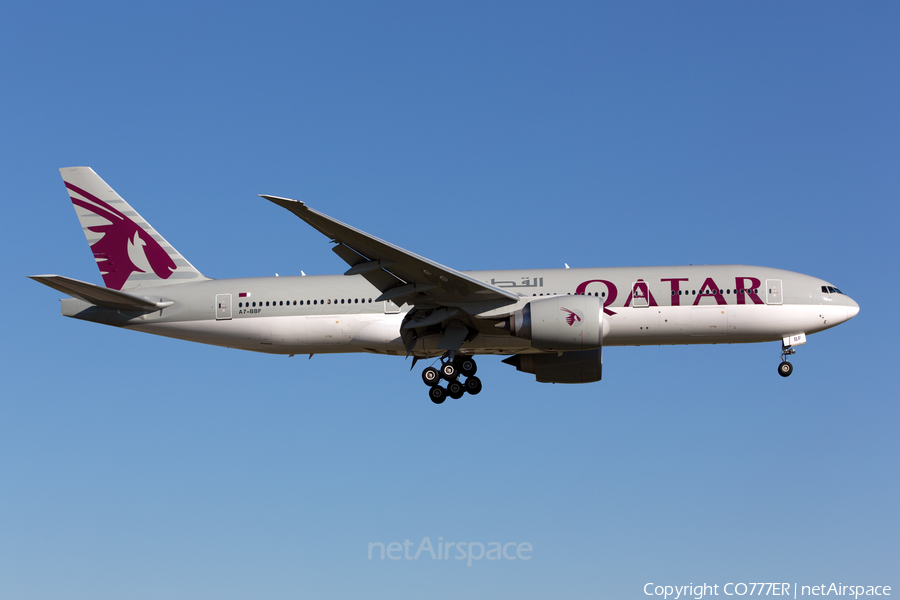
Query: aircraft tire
[785,369]
[437,394]
[467,366]
[449,371]
[431,376]
[455,390]
[473,385]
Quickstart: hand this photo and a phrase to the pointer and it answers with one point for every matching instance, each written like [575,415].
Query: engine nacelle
[560,323]
[585,366]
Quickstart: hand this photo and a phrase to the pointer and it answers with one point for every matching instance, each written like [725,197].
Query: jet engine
[559,323]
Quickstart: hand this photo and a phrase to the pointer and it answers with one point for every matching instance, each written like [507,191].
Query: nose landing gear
[450,370]
[786,368]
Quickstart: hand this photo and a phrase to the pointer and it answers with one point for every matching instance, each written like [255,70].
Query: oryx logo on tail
[123,248]
[573,316]
[128,251]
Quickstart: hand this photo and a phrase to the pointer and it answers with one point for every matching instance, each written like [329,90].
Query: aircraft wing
[400,275]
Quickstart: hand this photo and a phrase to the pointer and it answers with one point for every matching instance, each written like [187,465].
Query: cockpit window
[830,289]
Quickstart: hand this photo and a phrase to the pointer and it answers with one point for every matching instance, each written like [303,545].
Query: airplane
[550,323]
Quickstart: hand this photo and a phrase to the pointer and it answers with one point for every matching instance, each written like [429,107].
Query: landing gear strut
[786,368]
[450,370]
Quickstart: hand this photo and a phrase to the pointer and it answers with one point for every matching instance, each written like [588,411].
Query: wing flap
[371,270]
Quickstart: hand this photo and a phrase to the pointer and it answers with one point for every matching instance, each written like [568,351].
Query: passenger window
[329,301]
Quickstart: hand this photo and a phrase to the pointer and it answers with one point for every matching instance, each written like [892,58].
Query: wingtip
[280,200]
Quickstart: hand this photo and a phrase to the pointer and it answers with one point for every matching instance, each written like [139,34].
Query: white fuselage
[641,306]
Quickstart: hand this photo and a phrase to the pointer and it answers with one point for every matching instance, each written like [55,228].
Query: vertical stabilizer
[128,251]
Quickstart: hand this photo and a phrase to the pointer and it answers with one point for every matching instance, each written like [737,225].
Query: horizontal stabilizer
[99,296]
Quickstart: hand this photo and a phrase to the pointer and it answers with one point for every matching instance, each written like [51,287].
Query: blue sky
[482,136]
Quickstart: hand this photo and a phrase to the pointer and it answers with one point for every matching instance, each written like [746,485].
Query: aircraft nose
[852,308]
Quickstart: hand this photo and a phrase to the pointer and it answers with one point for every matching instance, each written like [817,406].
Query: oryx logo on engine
[573,317]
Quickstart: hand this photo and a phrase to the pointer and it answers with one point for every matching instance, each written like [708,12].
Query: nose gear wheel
[785,369]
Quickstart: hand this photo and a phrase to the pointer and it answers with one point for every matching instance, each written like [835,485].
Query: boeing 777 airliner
[552,323]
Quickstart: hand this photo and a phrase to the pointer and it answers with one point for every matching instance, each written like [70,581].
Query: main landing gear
[451,369]
[786,368]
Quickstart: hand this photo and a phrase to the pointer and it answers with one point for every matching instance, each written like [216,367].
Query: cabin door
[773,291]
[223,307]
[640,295]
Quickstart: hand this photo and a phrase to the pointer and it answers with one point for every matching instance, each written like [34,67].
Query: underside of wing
[444,301]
